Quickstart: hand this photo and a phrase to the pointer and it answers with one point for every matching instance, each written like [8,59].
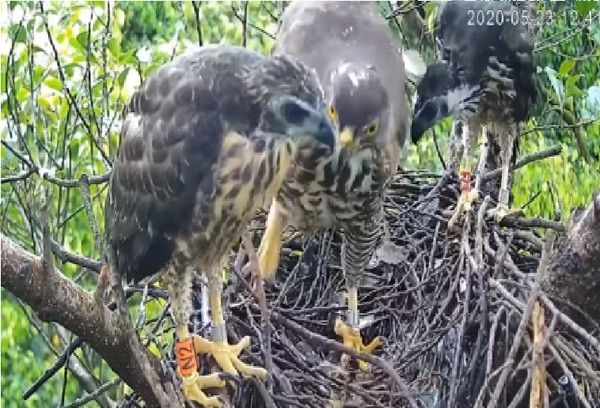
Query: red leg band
[465,181]
[185,355]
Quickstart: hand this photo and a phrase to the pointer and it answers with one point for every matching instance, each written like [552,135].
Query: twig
[19,176]
[326,343]
[516,342]
[87,204]
[580,331]
[76,259]
[543,154]
[261,297]
[63,79]
[559,126]
[92,396]
[569,375]
[49,373]
[196,6]
[536,222]
[538,382]
[101,179]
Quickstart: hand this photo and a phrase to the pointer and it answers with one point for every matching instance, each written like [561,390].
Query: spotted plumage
[205,143]
[360,66]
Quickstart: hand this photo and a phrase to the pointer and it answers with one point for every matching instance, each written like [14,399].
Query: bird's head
[290,116]
[358,107]
[291,100]
[431,100]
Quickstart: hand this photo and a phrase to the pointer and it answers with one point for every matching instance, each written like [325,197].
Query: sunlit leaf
[114,47]
[44,102]
[119,17]
[22,94]
[53,83]
[82,38]
[566,66]
[18,33]
[132,82]
[555,82]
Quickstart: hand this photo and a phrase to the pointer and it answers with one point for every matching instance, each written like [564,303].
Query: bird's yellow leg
[349,331]
[270,245]
[187,368]
[503,210]
[226,355]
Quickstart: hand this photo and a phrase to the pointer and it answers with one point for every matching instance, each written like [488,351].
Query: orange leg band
[185,354]
[465,181]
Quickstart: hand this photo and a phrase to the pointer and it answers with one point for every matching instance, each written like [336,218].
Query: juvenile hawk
[486,80]
[204,143]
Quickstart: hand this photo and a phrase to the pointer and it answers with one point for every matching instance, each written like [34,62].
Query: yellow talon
[351,338]
[194,384]
[465,201]
[270,245]
[502,211]
[226,356]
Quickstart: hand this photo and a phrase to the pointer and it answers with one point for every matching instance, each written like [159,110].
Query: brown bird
[205,143]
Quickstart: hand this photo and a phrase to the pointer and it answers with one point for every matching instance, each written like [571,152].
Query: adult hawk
[486,80]
[360,66]
[204,143]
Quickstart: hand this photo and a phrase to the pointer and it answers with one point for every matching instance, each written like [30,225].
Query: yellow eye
[371,129]
[332,113]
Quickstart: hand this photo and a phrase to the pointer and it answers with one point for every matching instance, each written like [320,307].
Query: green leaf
[572,79]
[566,66]
[556,83]
[44,102]
[584,7]
[114,47]
[119,17]
[54,83]
[121,77]
[82,38]
[22,94]
[38,73]
[18,33]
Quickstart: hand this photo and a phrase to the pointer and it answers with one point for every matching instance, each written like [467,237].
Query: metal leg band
[352,318]
[219,333]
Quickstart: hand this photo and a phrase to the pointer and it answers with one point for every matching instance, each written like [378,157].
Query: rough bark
[55,298]
[574,268]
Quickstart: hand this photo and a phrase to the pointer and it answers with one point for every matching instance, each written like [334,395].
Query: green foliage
[24,357]
[147,25]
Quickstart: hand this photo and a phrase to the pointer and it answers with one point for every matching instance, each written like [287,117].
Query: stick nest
[454,310]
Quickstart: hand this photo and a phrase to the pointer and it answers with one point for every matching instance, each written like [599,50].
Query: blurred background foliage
[67,70]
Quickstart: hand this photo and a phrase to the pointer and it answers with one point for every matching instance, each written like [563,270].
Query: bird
[360,66]
[204,144]
[486,80]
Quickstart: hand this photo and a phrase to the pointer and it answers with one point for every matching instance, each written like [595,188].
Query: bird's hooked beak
[325,133]
[347,139]
[431,112]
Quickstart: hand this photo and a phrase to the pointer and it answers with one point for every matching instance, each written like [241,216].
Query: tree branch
[56,298]
[574,268]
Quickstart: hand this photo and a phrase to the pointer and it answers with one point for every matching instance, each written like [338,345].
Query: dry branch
[574,269]
[56,298]
[453,309]
[538,394]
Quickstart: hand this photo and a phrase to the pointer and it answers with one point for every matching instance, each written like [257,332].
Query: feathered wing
[509,43]
[170,141]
